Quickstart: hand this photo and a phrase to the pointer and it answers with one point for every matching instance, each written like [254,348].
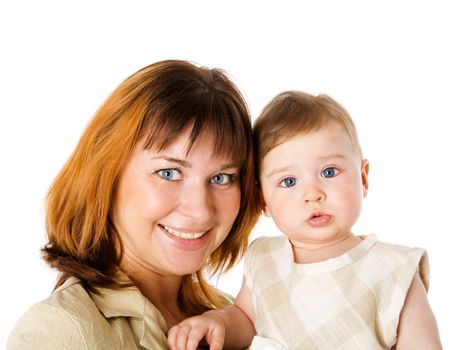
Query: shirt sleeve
[44,326]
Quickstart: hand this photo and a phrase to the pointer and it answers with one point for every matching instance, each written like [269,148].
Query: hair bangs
[205,116]
[229,137]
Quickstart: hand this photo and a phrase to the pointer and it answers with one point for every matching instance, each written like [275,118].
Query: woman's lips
[184,235]
[186,241]
[319,220]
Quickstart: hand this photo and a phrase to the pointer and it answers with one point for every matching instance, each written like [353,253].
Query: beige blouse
[74,318]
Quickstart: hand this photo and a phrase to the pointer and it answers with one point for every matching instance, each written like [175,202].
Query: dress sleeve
[423,269]
[249,262]
[414,260]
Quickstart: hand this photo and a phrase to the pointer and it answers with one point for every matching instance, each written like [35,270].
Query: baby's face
[313,185]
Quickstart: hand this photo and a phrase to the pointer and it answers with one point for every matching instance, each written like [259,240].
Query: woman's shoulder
[59,321]
[70,301]
[74,318]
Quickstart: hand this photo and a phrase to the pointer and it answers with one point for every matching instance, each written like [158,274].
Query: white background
[390,63]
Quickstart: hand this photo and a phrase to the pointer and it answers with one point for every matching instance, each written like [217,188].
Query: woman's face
[173,209]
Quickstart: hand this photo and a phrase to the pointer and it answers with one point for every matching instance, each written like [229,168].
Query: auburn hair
[156,103]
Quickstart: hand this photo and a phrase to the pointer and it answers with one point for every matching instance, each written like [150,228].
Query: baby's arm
[229,328]
[417,328]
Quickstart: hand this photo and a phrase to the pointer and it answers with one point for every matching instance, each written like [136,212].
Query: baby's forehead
[319,146]
[324,137]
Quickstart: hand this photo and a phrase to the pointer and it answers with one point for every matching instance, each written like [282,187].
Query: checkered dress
[349,302]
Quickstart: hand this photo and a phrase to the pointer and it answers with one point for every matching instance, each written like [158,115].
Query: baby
[319,286]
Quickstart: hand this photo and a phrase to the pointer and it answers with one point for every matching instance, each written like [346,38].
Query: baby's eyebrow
[332,156]
[323,158]
[277,171]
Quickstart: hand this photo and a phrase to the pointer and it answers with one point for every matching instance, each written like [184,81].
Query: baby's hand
[187,334]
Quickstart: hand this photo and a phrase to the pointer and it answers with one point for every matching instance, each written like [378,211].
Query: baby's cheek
[351,201]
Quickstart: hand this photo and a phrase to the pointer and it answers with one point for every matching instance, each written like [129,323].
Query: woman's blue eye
[329,172]
[169,174]
[222,179]
[288,182]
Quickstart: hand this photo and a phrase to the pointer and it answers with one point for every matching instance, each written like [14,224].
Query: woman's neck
[320,252]
[161,290]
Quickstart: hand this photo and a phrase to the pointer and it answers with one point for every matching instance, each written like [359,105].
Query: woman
[158,192]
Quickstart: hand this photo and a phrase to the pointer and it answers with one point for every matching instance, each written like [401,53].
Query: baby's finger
[195,336]
[193,341]
[181,337]
[216,338]
[171,336]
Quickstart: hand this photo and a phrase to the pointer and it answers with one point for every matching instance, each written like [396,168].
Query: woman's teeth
[184,235]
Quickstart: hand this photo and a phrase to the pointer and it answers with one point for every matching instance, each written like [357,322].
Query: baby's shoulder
[268,244]
[263,249]
[400,252]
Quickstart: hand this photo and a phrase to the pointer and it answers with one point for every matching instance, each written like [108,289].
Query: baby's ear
[365,171]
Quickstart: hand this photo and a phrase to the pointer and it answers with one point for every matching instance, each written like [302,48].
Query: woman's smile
[185,234]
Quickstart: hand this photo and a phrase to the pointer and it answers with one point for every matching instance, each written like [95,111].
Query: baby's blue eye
[288,182]
[222,179]
[169,174]
[329,172]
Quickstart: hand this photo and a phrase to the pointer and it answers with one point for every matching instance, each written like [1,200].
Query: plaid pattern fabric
[349,302]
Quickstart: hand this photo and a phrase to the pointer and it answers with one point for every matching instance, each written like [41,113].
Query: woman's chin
[186,264]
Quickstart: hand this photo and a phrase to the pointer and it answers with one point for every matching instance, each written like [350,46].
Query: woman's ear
[263,205]
[365,171]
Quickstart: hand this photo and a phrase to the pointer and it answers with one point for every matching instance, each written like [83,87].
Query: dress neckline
[335,263]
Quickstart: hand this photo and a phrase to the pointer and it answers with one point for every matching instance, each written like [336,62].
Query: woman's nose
[196,202]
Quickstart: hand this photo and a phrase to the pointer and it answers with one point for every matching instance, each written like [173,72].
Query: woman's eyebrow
[230,165]
[179,161]
[184,163]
